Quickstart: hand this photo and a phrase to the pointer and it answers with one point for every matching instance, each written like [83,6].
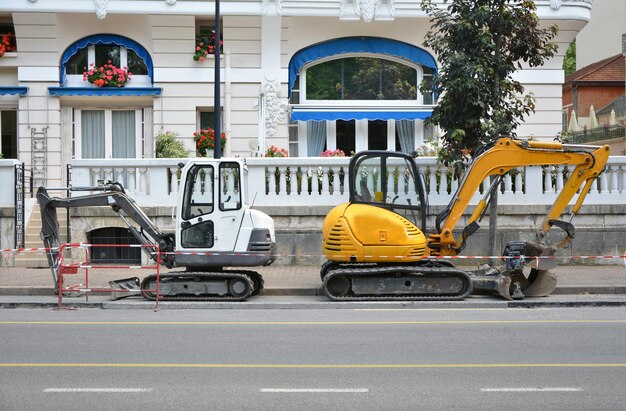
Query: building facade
[299,75]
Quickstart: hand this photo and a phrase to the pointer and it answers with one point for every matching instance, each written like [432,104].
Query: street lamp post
[217,127]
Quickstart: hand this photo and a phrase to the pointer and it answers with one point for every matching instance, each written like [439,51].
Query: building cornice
[365,10]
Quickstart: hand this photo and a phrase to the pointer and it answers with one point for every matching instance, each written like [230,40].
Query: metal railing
[596,134]
[23,179]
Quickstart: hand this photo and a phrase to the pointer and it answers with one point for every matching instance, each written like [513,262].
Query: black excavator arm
[114,196]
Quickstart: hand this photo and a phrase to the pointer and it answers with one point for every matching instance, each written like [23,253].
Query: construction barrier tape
[206,253]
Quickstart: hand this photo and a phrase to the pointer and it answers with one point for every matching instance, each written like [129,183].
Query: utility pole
[217,126]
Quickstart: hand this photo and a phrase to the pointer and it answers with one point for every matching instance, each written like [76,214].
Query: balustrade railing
[318,181]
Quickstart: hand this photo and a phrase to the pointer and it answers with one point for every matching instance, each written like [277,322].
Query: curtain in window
[316,137]
[406,134]
[123,133]
[92,132]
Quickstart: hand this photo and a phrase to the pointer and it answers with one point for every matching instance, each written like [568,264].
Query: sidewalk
[299,280]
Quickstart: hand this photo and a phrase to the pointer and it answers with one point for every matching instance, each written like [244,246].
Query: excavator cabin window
[199,190]
[389,180]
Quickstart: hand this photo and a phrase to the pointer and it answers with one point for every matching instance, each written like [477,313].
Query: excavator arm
[503,155]
[114,196]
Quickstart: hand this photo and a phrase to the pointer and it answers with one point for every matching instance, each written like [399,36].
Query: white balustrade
[317,181]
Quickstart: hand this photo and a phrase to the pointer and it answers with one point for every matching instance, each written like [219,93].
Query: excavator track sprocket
[395,282]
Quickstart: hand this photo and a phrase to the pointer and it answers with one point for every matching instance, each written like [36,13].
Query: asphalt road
[487,359]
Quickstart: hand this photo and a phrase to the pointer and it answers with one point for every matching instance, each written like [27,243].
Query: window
[367,89]
[205,34]
[99,55]
[7,29]
[198,200]
[377,135]
[8,133]
[99,49]
[206,118]
[230,188]
[346,131]
[361,78]
[108,133]
[113,255]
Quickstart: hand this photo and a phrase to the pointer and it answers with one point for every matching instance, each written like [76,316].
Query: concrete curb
[312,291]
[291,302]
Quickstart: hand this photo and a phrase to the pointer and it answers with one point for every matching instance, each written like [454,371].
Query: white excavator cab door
[210,207]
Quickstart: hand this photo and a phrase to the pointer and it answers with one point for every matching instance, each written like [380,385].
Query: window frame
[360,103]
[108,130]
[137,80]
[105,39]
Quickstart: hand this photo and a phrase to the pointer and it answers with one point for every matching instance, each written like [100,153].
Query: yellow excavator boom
[508,153]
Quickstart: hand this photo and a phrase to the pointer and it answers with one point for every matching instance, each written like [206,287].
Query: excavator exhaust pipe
[511,283]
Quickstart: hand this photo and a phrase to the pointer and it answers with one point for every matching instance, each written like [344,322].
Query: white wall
[602,37]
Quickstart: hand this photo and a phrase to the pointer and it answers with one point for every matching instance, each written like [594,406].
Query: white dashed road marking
[315,390]
[532,389]
[96,390]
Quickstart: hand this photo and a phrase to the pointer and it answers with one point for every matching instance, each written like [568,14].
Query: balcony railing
[596,134]
[317,181]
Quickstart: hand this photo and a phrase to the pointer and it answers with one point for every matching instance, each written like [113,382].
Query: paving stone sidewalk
[300,280]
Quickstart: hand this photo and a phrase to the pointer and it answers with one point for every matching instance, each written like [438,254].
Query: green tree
[480,44]
[569,62]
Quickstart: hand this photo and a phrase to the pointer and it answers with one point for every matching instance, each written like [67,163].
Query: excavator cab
[215,224]
[389,180]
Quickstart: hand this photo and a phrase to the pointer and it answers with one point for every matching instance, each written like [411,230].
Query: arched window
[100,49]
[364,77]
[360,93]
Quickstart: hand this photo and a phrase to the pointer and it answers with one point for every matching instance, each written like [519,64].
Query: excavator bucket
[541,283]
[515,285]
[512,282]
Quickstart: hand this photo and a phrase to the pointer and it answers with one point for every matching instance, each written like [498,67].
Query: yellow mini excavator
[377,247]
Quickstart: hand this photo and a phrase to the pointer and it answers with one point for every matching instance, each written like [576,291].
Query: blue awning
[20,91]
[362,44]
[305,114]
[105,91]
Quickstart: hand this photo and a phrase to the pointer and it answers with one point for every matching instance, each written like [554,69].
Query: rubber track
[218,275]
[390,271]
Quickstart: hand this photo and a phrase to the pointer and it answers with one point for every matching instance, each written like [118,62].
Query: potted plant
[7,43]
[205,45]
[274,151]
[333,153]
[205,142]
[107,75]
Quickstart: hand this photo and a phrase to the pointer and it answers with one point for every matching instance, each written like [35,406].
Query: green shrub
[168,146]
